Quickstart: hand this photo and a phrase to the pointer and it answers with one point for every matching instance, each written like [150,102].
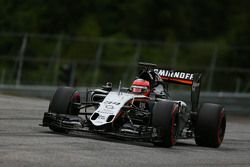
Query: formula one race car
[144,111]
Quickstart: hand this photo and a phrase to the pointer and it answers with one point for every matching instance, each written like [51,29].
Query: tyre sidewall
[209,121]
[63,99]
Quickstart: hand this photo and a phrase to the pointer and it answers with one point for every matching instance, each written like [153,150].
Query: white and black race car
[145,111]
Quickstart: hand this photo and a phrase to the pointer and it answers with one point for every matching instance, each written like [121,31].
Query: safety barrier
[235,103]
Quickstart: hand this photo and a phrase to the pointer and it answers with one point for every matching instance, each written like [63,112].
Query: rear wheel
[63,103]
[165,120]
[210,125]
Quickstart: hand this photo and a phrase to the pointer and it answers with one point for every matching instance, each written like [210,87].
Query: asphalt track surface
[24,143]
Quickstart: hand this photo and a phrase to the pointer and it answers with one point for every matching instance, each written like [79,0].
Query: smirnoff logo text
[174,74]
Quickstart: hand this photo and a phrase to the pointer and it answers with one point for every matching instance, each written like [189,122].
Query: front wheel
[165,120]
[63,102]
[210,125]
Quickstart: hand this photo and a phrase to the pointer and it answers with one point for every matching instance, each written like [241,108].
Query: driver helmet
[140,86]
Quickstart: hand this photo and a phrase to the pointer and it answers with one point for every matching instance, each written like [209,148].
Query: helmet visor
[139,89]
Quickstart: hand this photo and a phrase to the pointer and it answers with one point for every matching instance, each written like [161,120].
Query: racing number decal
[111,102]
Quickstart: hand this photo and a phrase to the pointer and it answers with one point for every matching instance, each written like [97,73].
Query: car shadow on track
[102,138]
[107,138]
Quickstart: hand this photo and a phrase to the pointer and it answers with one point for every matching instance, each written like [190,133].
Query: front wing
[66,123]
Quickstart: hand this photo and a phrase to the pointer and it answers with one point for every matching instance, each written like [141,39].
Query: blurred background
[86,43]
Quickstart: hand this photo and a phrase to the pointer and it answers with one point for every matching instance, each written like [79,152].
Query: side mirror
[107,87]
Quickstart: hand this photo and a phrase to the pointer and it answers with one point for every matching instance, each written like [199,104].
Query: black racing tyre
[151,105]
[165,120]
[62,103]
[63,99]
[210,125]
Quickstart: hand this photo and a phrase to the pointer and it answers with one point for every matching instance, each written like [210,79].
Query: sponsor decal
[111,102]
[168,74]
[102,117]
[109,106]
[105,111]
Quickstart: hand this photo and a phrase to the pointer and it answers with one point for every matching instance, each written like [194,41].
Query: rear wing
[185,78]
[179,77]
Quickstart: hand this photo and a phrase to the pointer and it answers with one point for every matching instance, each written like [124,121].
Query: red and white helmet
[141,86]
